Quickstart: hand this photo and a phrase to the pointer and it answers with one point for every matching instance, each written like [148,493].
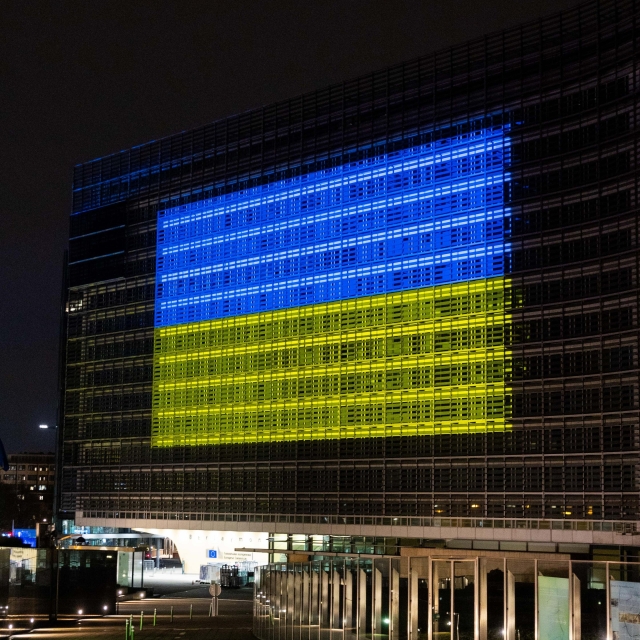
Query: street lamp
[55,553]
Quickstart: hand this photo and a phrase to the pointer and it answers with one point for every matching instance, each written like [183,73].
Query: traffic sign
[215,590]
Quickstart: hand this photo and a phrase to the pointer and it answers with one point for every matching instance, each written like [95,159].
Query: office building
[28,490]
[399,312]
[30,472]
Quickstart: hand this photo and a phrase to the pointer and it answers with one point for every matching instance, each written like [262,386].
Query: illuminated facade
[408,300]
[363,301]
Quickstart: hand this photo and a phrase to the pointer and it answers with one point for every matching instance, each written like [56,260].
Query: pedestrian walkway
[233,623]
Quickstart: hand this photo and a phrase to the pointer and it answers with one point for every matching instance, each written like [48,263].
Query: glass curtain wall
[409,295]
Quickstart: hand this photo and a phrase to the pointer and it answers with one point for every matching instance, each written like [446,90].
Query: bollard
[133,633]
[211,610]
[131,621]
[171,613]
[141,619]
[155,613]
[126,630]
[190,612]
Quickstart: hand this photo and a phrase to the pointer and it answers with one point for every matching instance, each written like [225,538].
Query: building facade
[27,489]
[30,472]
[404,307]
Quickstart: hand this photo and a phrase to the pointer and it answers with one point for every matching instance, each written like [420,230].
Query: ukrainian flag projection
[363,301]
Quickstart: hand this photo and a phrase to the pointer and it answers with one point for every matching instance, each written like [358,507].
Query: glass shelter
[448,598]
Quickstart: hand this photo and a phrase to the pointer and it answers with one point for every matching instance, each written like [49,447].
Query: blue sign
[212,553]
[28,536]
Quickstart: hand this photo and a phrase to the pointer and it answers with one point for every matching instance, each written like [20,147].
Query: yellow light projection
[422,362]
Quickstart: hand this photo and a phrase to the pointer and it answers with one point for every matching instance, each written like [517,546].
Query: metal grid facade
[565,92]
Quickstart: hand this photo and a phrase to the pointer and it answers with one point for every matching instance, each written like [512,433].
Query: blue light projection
[423,216]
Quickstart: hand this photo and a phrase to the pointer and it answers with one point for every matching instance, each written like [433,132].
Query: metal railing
[614,526]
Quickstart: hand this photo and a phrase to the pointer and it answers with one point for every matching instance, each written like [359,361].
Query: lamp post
[55,553]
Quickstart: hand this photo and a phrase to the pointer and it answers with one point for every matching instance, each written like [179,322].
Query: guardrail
[615,526]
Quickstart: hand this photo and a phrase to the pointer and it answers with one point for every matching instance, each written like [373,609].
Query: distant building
[30,472]
[32,477]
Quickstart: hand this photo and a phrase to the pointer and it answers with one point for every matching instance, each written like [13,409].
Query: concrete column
[297,597]
[361,624]
[576,607]
[481,599]
[290,603]
[394,600]
[325,623]
[336,590]
[412,622]
[510,606]
[305,589]
[376,605]
[315,598]
[304,597]
[276,603]
[348,602]
[434,598]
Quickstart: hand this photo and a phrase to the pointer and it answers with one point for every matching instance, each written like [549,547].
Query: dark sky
[80,79]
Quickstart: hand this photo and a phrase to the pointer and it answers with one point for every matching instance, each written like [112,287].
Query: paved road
[233,622]
[200,591]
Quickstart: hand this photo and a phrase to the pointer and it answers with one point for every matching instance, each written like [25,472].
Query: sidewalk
[233,623]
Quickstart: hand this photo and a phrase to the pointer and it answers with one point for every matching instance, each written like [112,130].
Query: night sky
[79,80]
